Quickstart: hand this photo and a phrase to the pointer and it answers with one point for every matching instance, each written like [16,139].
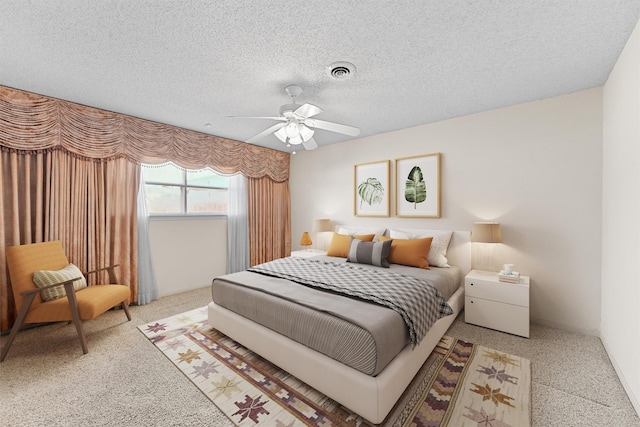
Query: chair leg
[73,304]
[125,307]
[18,324]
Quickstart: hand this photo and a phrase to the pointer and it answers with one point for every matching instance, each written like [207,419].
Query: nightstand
[307,253]
[495,304]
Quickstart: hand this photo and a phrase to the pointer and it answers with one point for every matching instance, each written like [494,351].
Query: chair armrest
[34,291]
[110,269]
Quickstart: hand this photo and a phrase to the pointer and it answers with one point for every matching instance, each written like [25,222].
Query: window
[171,190]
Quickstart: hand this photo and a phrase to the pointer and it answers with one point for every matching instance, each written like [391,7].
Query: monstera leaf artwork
[371,192]
[415,189]
[371,189]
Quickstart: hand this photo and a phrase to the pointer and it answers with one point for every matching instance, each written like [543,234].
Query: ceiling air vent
[341,70]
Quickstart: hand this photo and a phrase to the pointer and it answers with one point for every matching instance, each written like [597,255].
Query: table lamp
[324,232]
[305,240]
[486,233]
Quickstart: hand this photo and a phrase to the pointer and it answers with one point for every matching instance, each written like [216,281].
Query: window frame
[183,186]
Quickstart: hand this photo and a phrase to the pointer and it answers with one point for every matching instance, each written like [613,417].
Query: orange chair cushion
[92,302]
[23,260]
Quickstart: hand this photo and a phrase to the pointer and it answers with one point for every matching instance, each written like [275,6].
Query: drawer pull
[470,284]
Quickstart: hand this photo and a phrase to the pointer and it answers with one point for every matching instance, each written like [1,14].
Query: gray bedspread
[418,302]
[358,333]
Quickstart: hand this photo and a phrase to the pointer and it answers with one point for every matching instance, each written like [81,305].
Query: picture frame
[371,187]
[418,186]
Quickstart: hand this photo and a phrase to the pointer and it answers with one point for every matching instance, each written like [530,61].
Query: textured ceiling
[189,63]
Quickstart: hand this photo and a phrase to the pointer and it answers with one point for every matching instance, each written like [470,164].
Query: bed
[371,388]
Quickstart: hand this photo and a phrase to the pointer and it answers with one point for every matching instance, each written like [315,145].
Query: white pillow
[439,244]
[350,231]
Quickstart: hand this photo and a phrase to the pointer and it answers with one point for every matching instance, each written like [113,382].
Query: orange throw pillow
[413,252]
[341,243]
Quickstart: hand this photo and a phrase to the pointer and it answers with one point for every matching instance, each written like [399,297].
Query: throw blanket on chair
[418,302]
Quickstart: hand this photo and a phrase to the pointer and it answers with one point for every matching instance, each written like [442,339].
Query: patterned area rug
[461,384]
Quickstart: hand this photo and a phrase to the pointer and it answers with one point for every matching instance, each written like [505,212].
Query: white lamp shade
[321,225]
[292,130]
[306,133]
[295,141]
[486,232]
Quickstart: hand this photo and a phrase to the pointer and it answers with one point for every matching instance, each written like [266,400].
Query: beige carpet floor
[125,381]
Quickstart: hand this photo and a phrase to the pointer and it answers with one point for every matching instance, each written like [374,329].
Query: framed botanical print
[418,186]
[371,189]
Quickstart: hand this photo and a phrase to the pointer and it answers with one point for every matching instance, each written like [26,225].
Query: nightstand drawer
[510,293]
[509,318]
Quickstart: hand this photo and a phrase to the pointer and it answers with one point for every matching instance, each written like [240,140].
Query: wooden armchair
[76,306]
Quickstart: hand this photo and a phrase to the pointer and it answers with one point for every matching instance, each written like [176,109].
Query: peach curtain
[51,195]
[269,220]
[22,215]
[32,122]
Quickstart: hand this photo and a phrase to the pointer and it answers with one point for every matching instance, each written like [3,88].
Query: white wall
[188,254]
[621,217]
[536,168]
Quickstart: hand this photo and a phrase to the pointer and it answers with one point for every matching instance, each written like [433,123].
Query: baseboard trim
[623,381]
[564,327]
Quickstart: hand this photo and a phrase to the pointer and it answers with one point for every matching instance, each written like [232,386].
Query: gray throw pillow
[373,253]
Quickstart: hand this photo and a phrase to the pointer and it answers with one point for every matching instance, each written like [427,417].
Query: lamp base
[485,256]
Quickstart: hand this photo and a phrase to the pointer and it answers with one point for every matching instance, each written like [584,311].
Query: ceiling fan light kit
[292,130]
[281,135]
[296,123]
[305,132]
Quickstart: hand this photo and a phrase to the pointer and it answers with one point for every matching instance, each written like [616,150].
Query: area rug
[461,384]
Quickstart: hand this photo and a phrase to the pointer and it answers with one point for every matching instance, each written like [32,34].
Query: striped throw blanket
[419,303]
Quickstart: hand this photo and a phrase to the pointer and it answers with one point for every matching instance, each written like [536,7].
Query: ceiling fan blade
[307,110]
[333,127]
[265,132]
[310,144]
[270,118]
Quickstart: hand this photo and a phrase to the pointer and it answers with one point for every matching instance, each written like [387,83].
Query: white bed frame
[370,397]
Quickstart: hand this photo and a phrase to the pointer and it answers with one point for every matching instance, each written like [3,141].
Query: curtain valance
[30,122]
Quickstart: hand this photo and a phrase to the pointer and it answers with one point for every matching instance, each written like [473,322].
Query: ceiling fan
[296,123]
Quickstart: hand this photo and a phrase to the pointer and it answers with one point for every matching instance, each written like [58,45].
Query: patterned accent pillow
[439,245]
[43,278]
[373,253]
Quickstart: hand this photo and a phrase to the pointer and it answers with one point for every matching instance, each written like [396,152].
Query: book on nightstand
[514,277]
